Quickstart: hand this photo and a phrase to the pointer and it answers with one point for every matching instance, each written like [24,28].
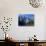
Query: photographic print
[26,20]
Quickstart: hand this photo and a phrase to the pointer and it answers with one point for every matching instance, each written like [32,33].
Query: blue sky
[27,16]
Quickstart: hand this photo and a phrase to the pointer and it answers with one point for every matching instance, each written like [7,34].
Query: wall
[11,8]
